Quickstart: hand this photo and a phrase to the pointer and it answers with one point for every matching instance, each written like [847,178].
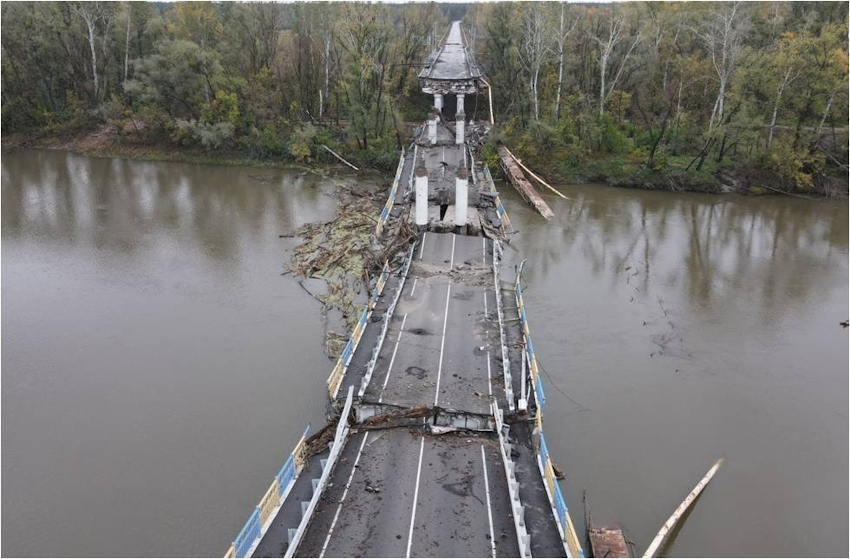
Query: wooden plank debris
[522,185]
[608,542]
[677,514]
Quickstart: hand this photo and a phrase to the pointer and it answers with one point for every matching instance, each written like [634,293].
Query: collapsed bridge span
[437,446]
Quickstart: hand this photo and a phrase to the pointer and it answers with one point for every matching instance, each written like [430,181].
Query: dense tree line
[258,76]
[672,85]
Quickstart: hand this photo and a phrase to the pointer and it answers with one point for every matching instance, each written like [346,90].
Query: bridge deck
[453,62]
[400,482]
[402,491]
[439,346]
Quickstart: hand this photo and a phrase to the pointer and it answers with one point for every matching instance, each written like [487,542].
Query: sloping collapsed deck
[438,448]
[525,188]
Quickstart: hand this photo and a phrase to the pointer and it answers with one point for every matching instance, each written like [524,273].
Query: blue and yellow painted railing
[274,497]
[544,459]
[338,372]
[388,206]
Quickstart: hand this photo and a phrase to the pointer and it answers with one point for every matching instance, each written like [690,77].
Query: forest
[747,96]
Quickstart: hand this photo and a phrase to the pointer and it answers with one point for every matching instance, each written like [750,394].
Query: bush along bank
[627,161]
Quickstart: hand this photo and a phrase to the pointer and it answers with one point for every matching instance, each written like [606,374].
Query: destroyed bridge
[436,445]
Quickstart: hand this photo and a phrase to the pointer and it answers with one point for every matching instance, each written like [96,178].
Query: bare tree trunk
[603,65]
[327,69]
[90,20]
[786,80]
[679,102]
[560,66]
[717,111]
[127,45]
[825,114]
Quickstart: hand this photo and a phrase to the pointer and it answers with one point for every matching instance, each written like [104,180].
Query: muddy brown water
[743,358]
[157,368]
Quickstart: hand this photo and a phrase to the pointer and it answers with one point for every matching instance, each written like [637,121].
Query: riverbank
[559,165]
[108,142]
[563,166]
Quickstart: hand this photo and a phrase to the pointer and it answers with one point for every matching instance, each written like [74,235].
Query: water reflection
[117,205]
[152,352]
[674,329]
[770,248]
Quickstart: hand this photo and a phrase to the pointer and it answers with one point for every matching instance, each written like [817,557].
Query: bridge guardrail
[500,208]
[275,495]
[338,372]
[388,206]
[517,508]
[370,368]
[544,459]
[506,367]
[340,437]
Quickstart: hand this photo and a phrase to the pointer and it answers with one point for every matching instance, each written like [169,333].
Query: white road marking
[489,508]
[484,250]
[392,359]
[489,382]
[422,246]
[452,262]
[415,497]
[344,495]
[487,343]
[442,346]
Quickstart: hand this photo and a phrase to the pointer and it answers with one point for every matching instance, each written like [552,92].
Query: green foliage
[611,138]
[224,108]
[210,136]
[793,168]
[274,79]
[302,144]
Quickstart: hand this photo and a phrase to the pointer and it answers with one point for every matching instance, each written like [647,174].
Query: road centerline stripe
[344,495]
[415,496]
[422,246]
[392,359]
[489,507]
[442,346]
[452,261]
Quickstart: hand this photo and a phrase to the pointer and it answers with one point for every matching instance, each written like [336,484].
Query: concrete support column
[432,129]
[421,197]
[460,103]
[459,135]
[438,102]
[461,197]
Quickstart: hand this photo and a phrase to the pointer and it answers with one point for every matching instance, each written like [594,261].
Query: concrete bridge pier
[459,106]
[461,200]
[421,198]
[432,128]
[438,102]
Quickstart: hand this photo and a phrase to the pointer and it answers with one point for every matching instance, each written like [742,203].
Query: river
[158,368]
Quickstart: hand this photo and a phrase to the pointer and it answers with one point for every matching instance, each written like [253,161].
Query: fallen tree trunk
[335,154]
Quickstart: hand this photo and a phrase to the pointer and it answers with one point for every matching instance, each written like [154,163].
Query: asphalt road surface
[403,493]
